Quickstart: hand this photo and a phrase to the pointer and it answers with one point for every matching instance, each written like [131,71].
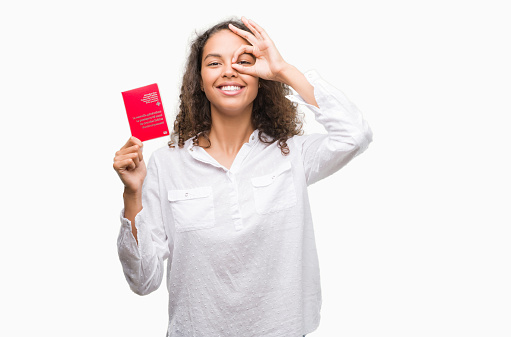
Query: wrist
[132,193]
[287,74]
[132,203]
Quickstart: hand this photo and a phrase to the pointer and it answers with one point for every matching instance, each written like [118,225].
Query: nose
[229,71]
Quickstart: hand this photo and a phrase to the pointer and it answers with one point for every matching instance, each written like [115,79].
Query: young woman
[226,203]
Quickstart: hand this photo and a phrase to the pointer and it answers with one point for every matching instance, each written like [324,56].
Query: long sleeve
[348,134]
[143,263]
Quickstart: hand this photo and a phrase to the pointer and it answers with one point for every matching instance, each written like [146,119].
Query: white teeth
[230,88]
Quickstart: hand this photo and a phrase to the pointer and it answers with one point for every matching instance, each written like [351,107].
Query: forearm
[291,76]
[348,134]
[132,206]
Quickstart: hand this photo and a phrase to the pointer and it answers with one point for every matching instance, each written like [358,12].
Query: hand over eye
[269,63]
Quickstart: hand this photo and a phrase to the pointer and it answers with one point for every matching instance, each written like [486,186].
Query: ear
[201,85]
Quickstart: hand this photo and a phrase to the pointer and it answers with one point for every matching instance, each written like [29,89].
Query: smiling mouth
[230,88]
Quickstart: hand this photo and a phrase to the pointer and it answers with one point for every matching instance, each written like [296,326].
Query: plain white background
[413,235]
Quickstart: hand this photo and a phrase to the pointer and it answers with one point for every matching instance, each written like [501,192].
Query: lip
[230,92]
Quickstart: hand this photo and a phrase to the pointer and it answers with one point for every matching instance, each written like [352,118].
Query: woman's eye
[243,62]
[213,64]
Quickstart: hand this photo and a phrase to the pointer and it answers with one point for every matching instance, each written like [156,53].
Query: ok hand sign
[269,63]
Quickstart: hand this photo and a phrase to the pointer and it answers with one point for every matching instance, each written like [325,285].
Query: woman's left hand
[269,63]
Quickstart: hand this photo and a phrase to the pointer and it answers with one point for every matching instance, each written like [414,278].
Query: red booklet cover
[145,112]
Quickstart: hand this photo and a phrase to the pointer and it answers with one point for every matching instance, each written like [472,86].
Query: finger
[244,34]
[138,149]
[131,149]
[136,160]
[130,156]
[132,141]
[131,166]
[252,28]
[126,164]
[245,70]
[259,29]
[140,155]
[245,49]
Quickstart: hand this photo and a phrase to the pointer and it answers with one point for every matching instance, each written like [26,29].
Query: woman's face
[228,91]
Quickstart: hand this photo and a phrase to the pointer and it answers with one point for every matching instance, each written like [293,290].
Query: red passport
[145,112]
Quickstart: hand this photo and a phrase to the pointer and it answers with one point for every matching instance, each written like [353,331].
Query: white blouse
[239,242]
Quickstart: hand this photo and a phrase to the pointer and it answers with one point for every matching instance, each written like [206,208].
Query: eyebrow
[213,55]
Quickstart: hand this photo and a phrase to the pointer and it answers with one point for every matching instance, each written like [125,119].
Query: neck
[229,133]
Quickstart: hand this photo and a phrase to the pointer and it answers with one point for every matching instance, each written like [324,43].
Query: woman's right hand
[130,166]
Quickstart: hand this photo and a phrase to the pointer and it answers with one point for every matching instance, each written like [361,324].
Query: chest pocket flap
[275,192]
[270,178]
[195,193]
[192,208]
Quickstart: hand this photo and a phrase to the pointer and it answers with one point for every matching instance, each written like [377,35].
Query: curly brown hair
[273,115]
